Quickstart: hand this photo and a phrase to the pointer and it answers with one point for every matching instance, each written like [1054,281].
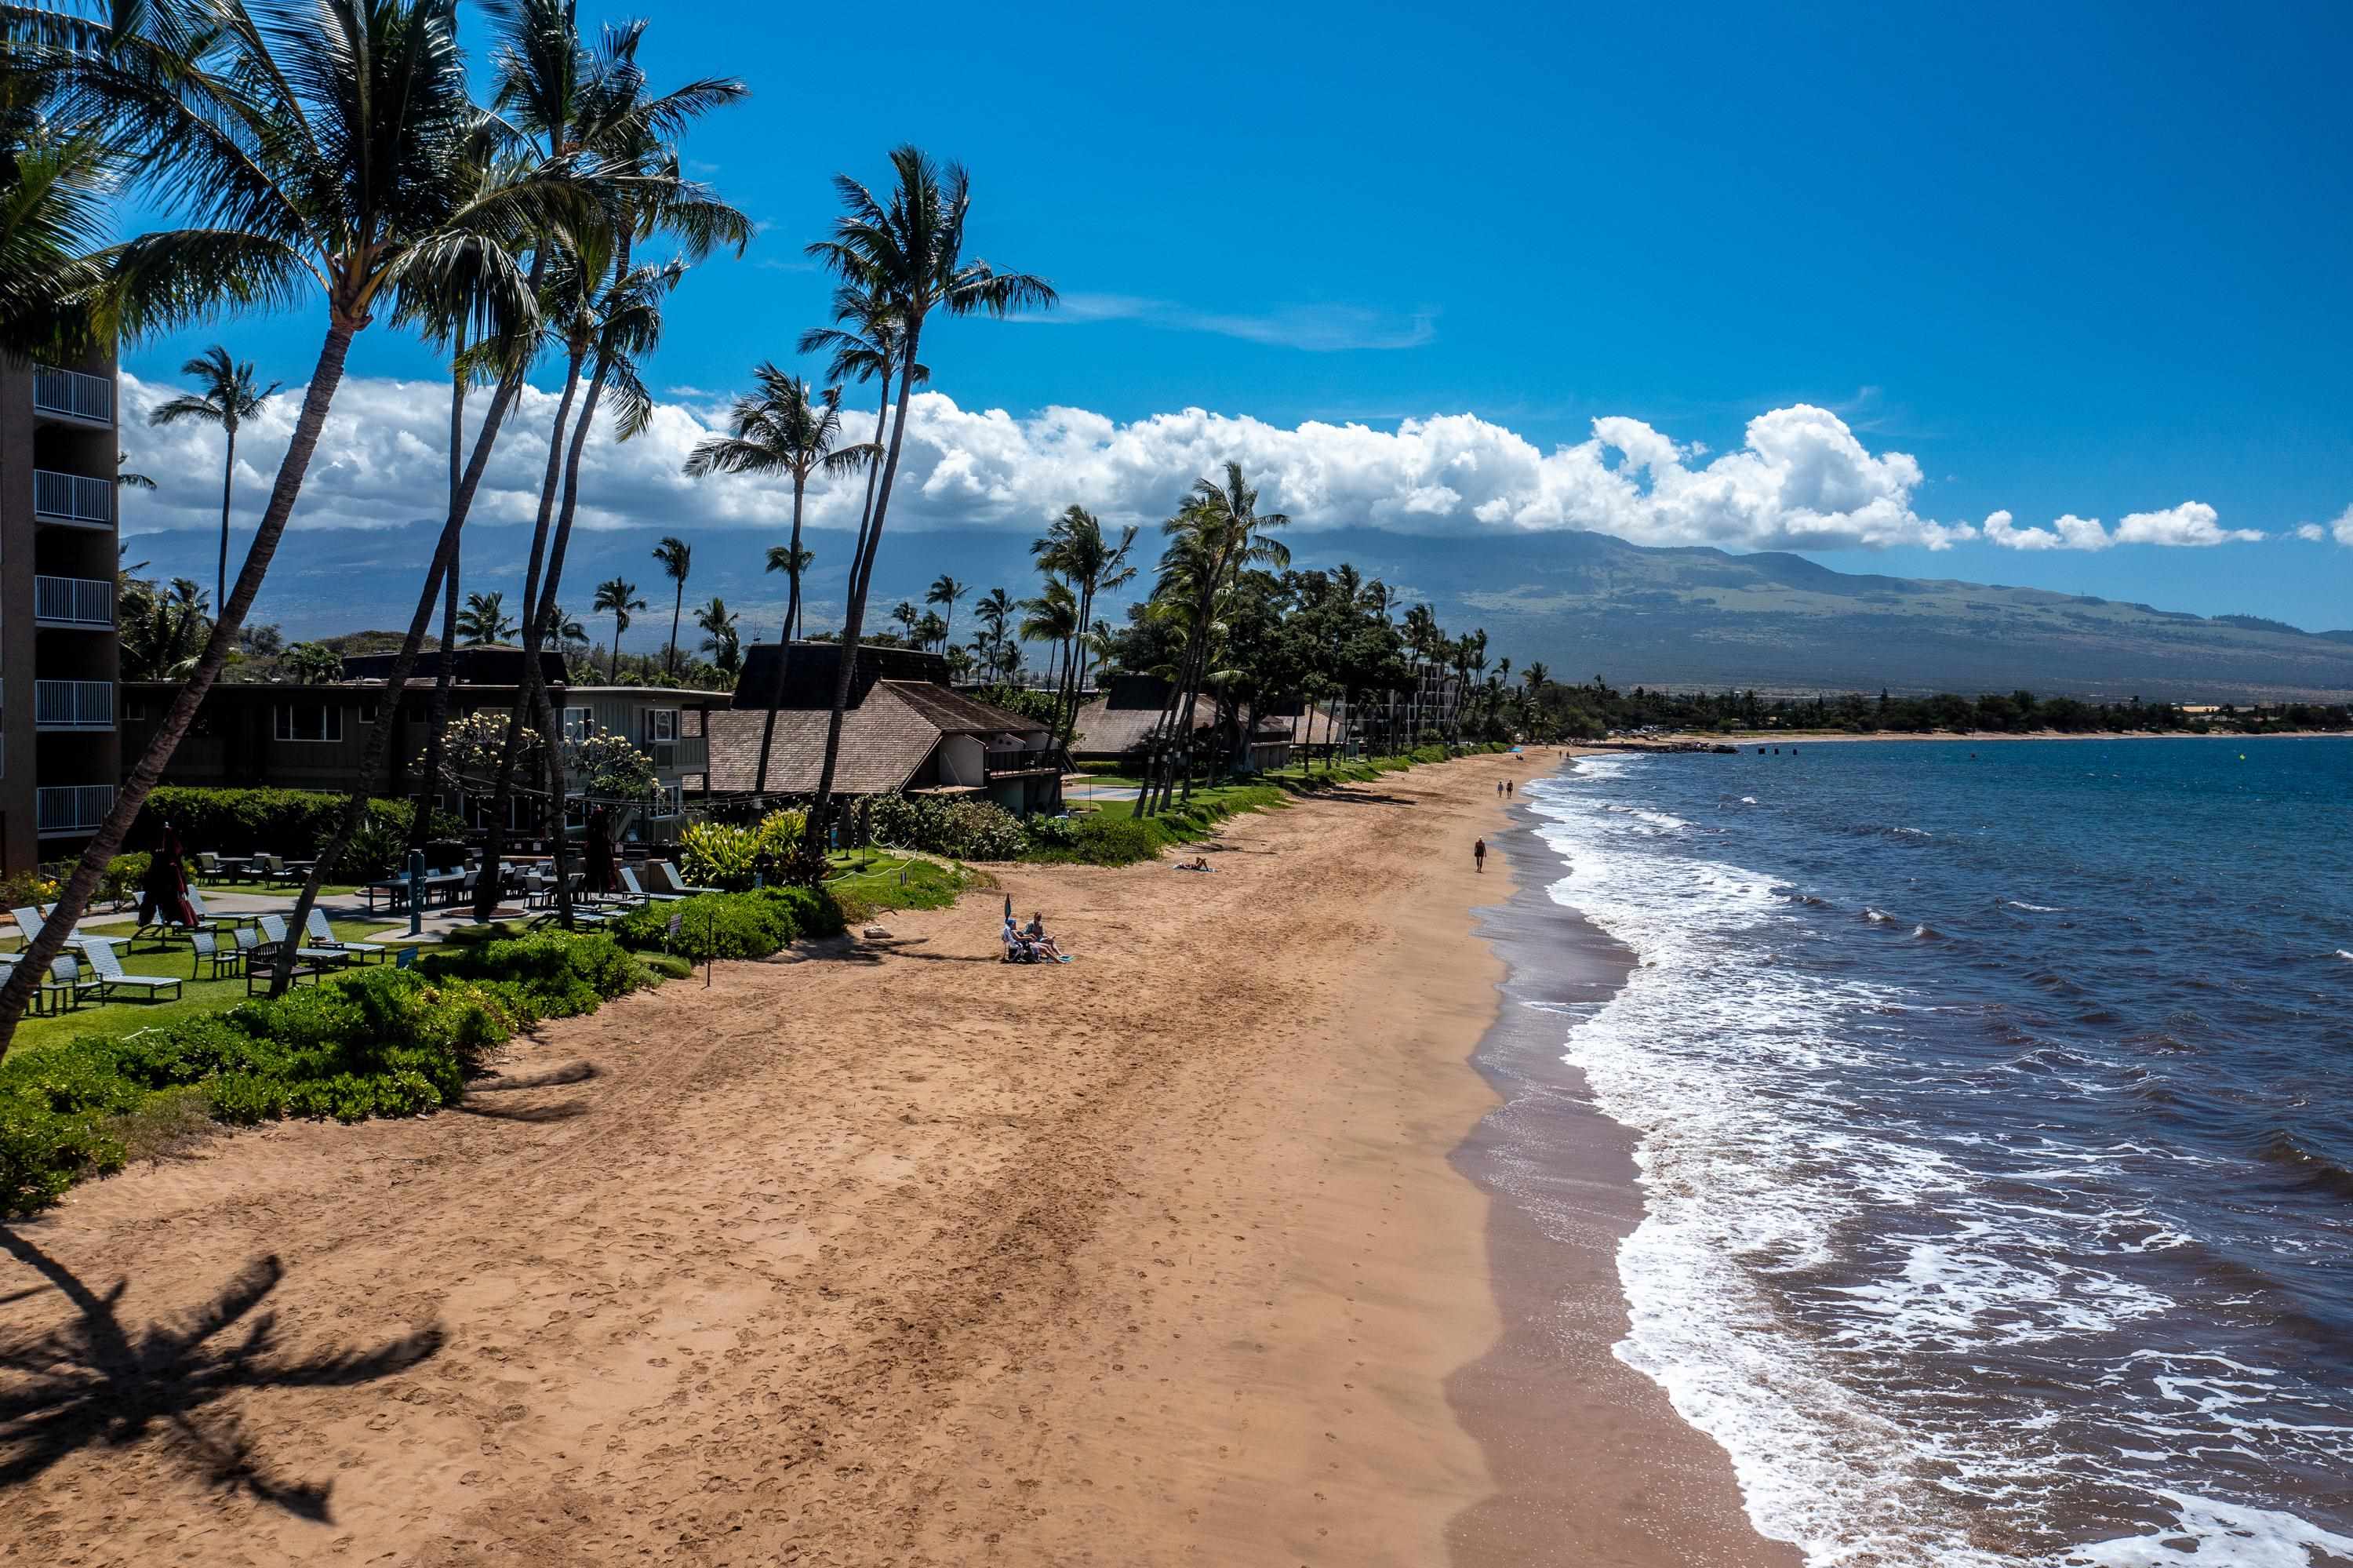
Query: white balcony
[73,705]
[73,601]
[73,395]
[72,809]
[73,498]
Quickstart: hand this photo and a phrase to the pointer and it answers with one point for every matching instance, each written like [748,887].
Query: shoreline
[877,1252]
[1972,738]
[1591,1462]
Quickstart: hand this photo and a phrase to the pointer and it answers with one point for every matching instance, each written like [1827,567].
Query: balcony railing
[73,705]
[996,764]
[73,807]
[73,394]
[687,754]
[73,601]
[73,498]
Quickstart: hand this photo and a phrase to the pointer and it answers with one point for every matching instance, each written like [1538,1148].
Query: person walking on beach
[1478,855]
[1507,788]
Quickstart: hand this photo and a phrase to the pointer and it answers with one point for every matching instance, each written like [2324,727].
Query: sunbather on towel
[1198,862]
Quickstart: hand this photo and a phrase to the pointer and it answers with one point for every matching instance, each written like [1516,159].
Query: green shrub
[1092,840]
[670,966]
[965,830]
[28,889]
[728,856]
[42,1152]
[713,926]
[554,974]
[119,882]
[812,910]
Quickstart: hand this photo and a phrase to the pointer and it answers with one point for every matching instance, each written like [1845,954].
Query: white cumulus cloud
[1801,478]
[2191,523]
[2312,532]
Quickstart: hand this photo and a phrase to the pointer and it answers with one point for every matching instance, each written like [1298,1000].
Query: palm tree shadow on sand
[92,1381]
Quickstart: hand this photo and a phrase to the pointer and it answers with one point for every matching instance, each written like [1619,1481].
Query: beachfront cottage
[905,730]
[1118,725]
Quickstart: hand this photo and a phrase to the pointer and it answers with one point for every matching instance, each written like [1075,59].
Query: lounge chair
[63,987]
[109,975]
[208,916]
[669,875]
[324,935]
[629,875]
[273,934]
[225,961]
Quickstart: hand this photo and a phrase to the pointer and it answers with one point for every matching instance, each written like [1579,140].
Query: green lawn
[871,881]
[127,1011]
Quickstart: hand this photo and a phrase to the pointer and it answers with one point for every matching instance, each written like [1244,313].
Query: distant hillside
[1583,603]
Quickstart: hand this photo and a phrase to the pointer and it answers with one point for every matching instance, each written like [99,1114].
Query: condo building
[61,753]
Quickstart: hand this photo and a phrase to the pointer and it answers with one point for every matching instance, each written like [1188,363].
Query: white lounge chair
[629,875]
[273,934]
[225,961]
[324,935]
[108,972]
[676,883]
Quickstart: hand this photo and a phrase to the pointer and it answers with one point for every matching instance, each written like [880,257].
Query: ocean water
[1994,1115]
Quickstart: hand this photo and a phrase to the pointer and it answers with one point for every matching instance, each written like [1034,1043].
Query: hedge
[962,829]
[289,823]
[378,1043]
[731,925]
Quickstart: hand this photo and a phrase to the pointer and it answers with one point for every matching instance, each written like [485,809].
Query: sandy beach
[893,1254]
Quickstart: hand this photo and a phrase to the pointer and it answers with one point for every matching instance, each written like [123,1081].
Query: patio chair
[268,868]
[63,987]
[318,931]
[224,962]
[262,951]
[670,877]
[629,875]
[208,865]
[108,972]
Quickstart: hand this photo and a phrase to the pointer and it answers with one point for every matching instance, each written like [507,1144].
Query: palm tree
[311,664]
[931,631]
[567,631]
[1074,546]
[226,396]
[564,100]
[677,558]
[1052,618]
[906,255]
[904,613]
[485,619]
[795,564]
[781,429]
[53,182]
[945,591]
[330,155]
[720,639]
[994,609]
[1220,532]
[617,598]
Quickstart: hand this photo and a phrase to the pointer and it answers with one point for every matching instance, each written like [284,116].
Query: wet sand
[891,1254]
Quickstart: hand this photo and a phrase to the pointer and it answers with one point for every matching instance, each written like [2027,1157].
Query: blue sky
[2072,261]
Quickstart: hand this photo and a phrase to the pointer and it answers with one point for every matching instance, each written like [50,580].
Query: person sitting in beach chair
[1018,949]
[1035,935]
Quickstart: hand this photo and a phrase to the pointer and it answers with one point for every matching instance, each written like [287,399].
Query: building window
[661,724]
[308,721]
[577,727]
[673,800]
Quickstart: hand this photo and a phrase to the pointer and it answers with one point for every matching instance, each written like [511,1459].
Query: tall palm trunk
[486,886]
[379,743]
[229,481]
[74,897]
[420,818]
[670,660]
[853,618]
[784,652]
[613,668]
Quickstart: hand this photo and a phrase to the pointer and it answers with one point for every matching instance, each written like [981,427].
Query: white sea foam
[1738,1074]
[2037,908]
[2219,1533]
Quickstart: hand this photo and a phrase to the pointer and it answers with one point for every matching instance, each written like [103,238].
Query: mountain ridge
[1676,616]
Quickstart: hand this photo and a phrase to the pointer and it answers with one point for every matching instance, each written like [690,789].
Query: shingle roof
[1104,730]
[954,713]
[883,742]
[884,739]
